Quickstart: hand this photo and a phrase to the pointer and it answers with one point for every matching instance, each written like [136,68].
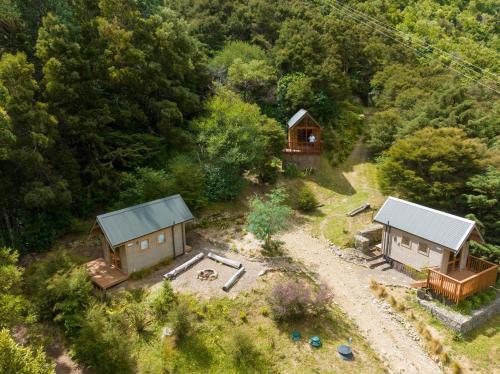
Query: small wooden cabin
[429,240]
[140,236]
[304,145]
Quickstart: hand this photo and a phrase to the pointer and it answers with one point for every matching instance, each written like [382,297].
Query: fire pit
[207,274]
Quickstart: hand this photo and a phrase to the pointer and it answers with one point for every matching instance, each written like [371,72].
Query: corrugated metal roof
[439,227]
[126,224]
[298,116]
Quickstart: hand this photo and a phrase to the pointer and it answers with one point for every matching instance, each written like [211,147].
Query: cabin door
[115,258]
[453,262]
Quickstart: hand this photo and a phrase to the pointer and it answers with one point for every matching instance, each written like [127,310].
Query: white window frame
[424,253]
[409,241]
[144,247]
[161,238]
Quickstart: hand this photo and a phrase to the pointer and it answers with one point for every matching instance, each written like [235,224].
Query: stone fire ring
[207,274]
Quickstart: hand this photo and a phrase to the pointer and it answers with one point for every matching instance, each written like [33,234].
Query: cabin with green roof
[141,236]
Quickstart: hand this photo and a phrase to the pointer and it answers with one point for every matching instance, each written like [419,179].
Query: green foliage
[182,176]
[68,294]
[268,217]
[244,353]
[15,359]
[103,344]
[188,179]
[59,289]
[145,184]
[306,200]
[232,51]
[181,319]
[165,299]
[252,80]
[489,252]
[483,201]
[235,137]
[291,170]
[432,166]
[476,301]
[13,304]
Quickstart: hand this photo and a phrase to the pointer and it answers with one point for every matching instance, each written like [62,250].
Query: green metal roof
[130,223]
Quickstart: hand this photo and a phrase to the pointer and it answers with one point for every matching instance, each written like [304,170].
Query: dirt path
[350,284]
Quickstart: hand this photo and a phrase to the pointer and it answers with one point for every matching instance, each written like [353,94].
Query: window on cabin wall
[144,244]
[405,241]
[423,249]
[303,134]
[161,238]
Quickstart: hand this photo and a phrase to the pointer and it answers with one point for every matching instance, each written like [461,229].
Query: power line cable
[455,58]
[378,29]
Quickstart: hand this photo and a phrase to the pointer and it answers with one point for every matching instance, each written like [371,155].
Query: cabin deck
[303,147]
[460,284]
[104,275]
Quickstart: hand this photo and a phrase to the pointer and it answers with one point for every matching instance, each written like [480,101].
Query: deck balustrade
[485,275]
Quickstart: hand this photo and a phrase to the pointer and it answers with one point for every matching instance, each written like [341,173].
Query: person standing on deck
[312,139]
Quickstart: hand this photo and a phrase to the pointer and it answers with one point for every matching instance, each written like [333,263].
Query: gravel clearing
[387,334]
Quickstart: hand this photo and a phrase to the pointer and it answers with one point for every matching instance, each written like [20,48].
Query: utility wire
[455,58]
[377,28]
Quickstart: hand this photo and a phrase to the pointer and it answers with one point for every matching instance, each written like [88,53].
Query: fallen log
[232,281]
[224,260]
[182,268]
[358,210]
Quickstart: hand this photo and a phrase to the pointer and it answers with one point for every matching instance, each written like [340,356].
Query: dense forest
[109,103]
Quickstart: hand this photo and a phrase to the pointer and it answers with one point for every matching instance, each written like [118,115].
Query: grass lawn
[341,189]
[210,348]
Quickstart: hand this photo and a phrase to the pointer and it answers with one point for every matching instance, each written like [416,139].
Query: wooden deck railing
[457,290]
[304,147]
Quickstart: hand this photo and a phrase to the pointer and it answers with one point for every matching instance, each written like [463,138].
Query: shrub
[296,299]
[103,344]
[268,173]
[244,353]
[38,276]
[21,360]
[374,285]
[181,319]
[164,300]
[13,304]
[306,199]
[69,294]
[291,171]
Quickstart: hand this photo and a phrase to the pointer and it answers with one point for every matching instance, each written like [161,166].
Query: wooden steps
[419,284]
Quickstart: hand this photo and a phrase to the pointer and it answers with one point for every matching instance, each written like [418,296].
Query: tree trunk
[9,227]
